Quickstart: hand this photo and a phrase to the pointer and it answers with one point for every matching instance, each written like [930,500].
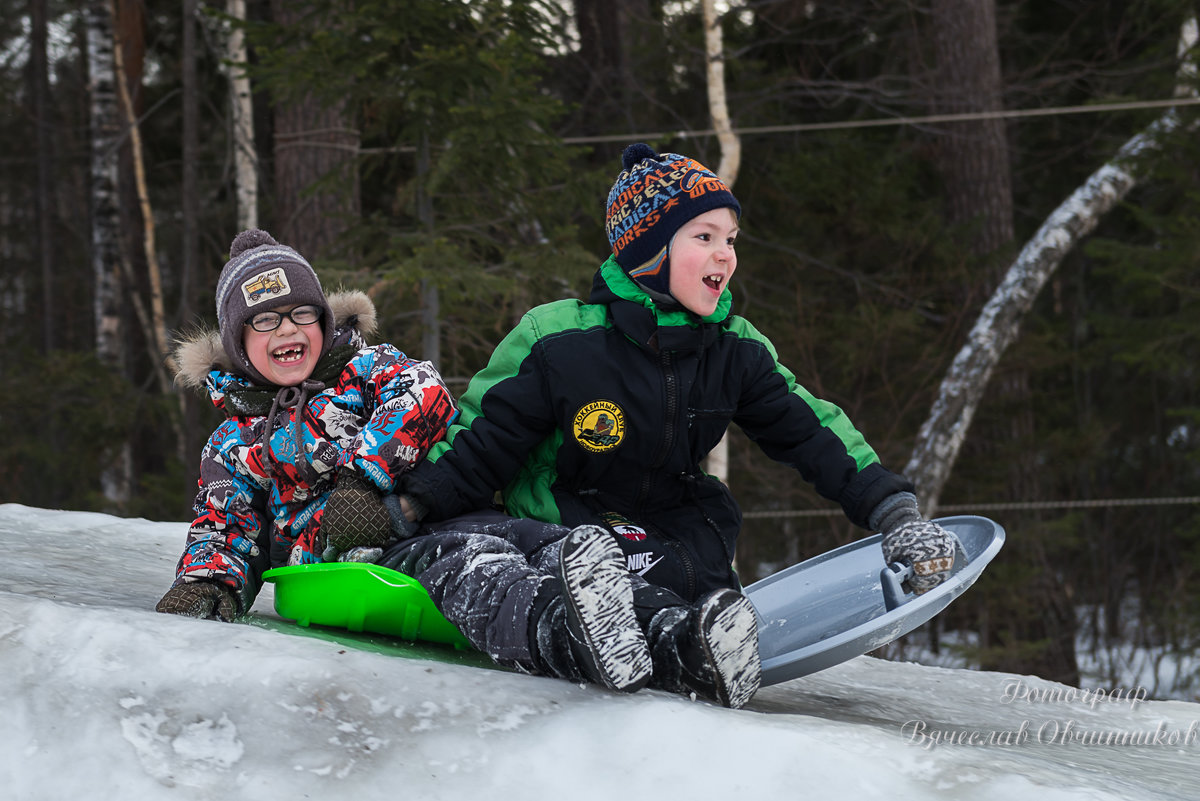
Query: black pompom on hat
[654,195]
[262,274]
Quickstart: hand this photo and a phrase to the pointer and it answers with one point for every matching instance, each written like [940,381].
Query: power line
[994,507]
[974,116]
[809,127]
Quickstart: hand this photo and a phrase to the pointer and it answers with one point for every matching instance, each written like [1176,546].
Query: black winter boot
[605,639]
[554,655]
[710,649]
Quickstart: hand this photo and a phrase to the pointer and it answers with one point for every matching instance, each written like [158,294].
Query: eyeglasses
[270,320]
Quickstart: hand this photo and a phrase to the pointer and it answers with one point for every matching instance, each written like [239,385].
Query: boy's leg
[605,636]
[477,571]
[709,648]
[484,586]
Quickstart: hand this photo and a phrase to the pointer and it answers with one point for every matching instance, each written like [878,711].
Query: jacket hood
[613,283]
[199,352]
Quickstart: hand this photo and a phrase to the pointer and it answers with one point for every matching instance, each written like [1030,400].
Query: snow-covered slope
[103,699]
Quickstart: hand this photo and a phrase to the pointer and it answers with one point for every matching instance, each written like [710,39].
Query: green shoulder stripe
[829,414]
[511,353]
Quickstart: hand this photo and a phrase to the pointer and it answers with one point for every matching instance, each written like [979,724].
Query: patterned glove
[354,517]
[926,546]
[910,539]
[202,599]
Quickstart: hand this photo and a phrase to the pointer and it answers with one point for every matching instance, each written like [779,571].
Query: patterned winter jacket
[259,508]
[601,412]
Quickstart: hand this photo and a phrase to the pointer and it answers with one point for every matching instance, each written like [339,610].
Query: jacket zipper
[671,383]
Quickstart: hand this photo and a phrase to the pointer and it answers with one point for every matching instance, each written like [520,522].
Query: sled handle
[893,577]
[891,581]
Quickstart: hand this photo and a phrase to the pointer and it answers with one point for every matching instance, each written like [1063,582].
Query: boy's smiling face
[288,354]
[703,260]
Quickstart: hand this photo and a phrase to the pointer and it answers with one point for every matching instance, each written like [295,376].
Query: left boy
[319,428]
[317,422]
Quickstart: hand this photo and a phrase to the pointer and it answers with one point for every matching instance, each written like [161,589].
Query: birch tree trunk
[245,156]
[942,434]
[717,463]
[718,108]
[116,479]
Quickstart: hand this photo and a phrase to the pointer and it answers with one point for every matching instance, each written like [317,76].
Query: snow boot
[710,649]
[605,639]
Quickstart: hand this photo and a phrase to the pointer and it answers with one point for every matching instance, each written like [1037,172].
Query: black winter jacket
[601,412]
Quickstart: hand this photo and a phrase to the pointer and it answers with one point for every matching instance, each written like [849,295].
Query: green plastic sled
[362,598]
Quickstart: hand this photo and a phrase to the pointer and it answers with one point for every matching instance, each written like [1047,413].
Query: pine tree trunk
[313,140]
[189,290]
[151,314]
[44,201]
[612,33]
[974,157]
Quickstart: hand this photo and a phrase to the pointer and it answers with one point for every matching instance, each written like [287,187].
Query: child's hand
[202,599]
[354,517]
[926,546]
[406,514]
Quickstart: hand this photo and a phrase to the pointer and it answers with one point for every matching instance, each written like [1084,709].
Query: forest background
[897,160]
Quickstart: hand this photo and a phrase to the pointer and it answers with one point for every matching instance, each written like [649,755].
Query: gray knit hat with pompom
[262,274]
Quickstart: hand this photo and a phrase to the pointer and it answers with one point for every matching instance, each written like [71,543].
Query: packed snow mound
[105,699]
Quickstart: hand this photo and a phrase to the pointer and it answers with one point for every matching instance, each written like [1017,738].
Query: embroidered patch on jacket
[599,426]
[266,286]
[623,526]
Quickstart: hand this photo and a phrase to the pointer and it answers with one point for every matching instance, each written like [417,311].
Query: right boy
[601,412]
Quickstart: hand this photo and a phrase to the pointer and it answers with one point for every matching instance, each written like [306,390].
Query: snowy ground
[104,699]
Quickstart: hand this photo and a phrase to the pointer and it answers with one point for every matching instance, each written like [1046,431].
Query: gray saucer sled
[846,602]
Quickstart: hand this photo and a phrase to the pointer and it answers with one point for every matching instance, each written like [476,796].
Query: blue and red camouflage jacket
[379,417]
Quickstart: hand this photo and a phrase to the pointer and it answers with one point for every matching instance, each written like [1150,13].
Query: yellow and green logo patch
[599,426]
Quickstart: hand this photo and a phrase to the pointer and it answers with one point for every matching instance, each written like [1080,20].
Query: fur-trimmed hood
[199,352]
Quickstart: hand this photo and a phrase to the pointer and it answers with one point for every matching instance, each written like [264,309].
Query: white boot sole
[729,631]
[600,597]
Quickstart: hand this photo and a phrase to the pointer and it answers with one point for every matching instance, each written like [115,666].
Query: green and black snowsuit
[601,412]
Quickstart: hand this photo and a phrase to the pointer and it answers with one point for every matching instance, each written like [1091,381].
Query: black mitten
[202,599]
[354,517]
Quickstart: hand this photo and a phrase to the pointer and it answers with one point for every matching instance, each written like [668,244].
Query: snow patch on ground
[104,699]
